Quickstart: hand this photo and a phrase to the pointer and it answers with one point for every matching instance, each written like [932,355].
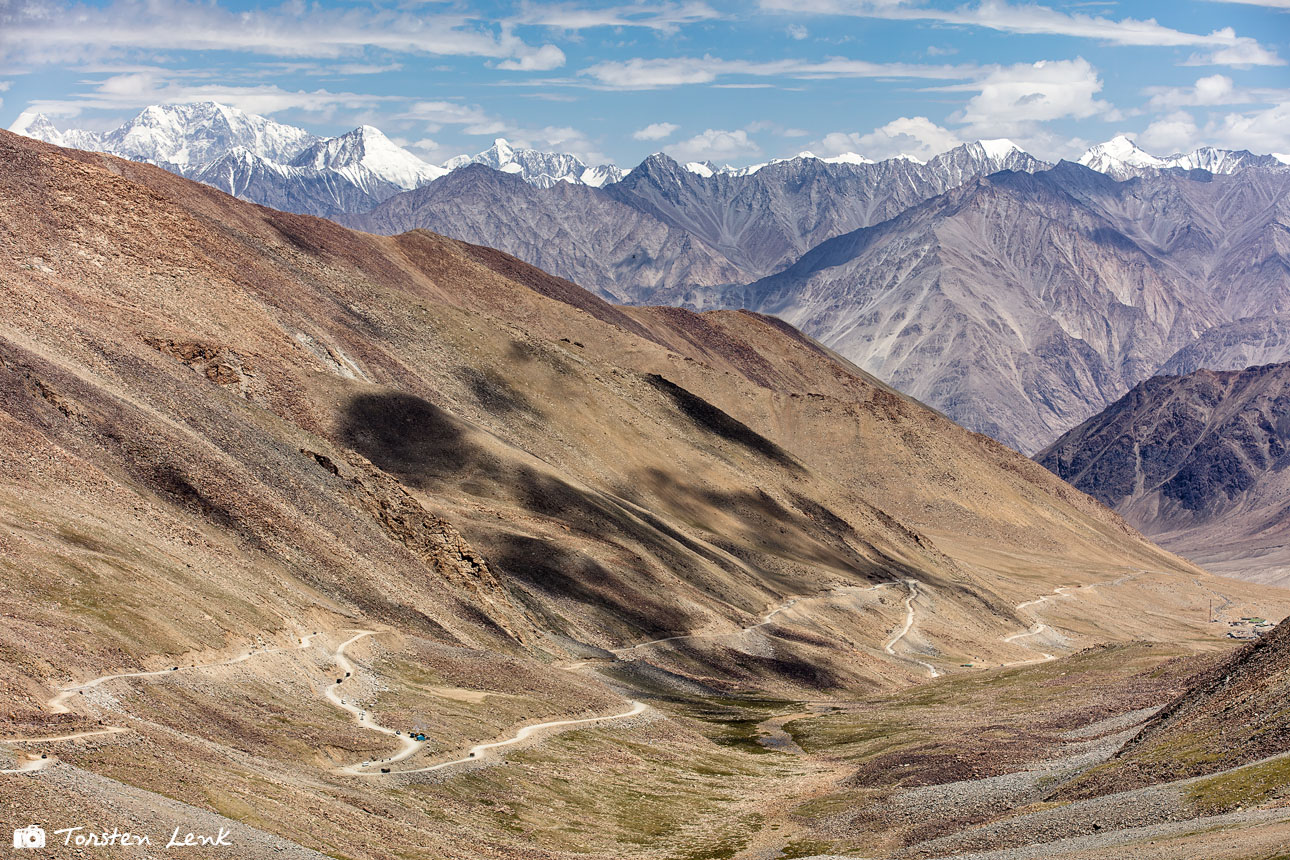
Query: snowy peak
[1121,158]
[366,148]
[542,169]
[602,175]
[191,135]
[999,148]
[40,127]
[842,158]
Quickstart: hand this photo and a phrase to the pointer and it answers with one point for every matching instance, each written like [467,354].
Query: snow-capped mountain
[708,169]
[256,158]
[1121,158]
[38,126]
[193,135]
[366,152]
[542,169]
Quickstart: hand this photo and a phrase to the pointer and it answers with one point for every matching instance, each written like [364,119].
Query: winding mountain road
[410,745]
[890,645]
[1038,628]
[57,704]
[477,752]
[766,619]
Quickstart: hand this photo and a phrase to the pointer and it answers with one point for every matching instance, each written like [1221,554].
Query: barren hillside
[288,506]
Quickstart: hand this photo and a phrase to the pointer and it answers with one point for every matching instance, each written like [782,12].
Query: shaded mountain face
[720,228]
[1021,304]
[1197,461]
[569,229]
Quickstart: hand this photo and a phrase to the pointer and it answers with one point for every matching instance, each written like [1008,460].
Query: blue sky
[734,82]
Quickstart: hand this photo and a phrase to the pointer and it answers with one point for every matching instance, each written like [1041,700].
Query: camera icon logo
[32,836]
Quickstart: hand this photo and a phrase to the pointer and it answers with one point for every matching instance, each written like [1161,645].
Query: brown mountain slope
[1233,715]
[1198,462]
[232,428]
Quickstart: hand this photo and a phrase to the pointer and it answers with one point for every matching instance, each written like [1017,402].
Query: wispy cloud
[134,89]
[432,116]
[42,32]
[1225,46]
[1213,91]
[643,74]
[655,131]
[663,17]
[1267,4]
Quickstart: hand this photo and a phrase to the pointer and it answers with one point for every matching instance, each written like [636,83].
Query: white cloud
[643,74]
[1227,47]
[1263,130]
[434,115]
[1241,52]
[663,17]
[1266,130]
[1012,100]
[655,131]
[133,90]
[1175,132]
[359,69]
[917,136]
[543,59]
[715,145]
[1270,4]
[428,150]
[46,31]
[797,31]
[1211,90]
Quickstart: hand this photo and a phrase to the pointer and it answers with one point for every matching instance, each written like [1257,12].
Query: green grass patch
[1249,786]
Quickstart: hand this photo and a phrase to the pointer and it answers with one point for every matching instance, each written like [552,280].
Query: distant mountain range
[1022,304]
[1018,297]
[1197,462]
[267,162]
[665,231]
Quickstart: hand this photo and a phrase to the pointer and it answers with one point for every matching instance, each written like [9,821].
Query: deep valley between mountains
[364,546]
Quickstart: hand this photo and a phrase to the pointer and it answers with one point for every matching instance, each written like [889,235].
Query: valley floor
[311,747]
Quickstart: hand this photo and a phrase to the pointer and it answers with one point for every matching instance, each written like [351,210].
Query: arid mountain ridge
[1198,461]
[246,440]
[1163,274]
[1018,303]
